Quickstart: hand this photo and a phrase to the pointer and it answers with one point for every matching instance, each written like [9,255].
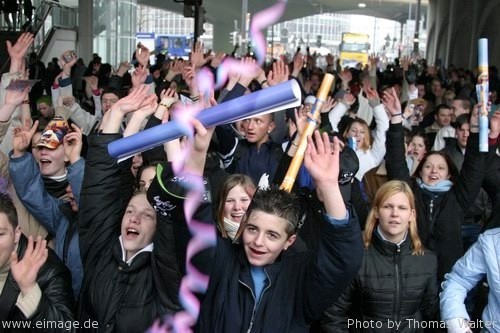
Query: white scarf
[231,227]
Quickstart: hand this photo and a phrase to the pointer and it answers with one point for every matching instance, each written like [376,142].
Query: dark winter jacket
[121,297]
[56,304]
[439,216]
[300,285]
[392,287]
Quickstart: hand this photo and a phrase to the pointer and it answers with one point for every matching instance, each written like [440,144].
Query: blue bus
[170,45]
[174,45]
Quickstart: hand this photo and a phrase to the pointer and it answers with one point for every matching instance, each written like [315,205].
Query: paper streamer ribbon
[282,96]
[262,20]
[482,90]
[203,235]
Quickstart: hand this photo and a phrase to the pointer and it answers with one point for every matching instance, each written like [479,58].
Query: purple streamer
[262,20]
[203,235]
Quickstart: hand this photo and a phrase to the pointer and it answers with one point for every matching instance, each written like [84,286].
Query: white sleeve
[336,114]
[377,150]
[97,104]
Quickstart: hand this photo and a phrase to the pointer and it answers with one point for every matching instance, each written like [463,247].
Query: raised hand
[17,52]
[148,106]
[298,63]
[189,76]
[68,60]
[197,57]
[169,97]
[26,270]
[250,70]
[93,81]
[217,59]
[302,118]
[372,96]
[123,68]
[176,67]
[22,138]
[73,143]
[405,63]
[349,99]
[139,76]
[142,55]
[321,159]
[330,59]
[391,102]
[373,60]
[328,105]
[133,101]
[278,74]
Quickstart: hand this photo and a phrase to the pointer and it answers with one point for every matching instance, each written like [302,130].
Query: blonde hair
[367,141]
[383,194]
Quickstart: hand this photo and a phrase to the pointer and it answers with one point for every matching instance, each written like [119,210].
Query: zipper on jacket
[256,304]
[431,209]
[398,285]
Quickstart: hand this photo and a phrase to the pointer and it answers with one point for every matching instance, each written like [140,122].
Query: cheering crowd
[394,217]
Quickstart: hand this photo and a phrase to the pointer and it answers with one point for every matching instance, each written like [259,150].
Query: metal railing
[50,14]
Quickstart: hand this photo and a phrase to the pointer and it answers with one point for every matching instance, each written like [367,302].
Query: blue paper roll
[482,52]
[279,97]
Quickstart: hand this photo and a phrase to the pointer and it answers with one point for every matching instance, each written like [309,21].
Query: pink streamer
[204,235]
[262,20]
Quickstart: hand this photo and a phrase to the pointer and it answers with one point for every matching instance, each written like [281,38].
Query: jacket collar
[139,260]
[388,248]
[245,276]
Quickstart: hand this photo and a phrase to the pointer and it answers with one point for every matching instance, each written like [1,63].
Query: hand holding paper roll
[299,155]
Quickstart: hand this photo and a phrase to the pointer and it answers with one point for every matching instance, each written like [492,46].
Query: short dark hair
[109,90]
[279,203]
[441,107]
[7,207]
[462,119]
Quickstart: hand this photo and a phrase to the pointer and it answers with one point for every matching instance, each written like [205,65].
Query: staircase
[49,21]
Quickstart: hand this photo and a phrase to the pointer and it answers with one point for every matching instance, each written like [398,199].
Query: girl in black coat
[396,286]
[442,196]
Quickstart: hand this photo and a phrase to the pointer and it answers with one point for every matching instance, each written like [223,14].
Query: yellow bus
[354,49]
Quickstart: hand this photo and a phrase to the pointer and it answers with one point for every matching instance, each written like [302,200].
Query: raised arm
[471,176]
[339,110]
[100,200]
[378,146]
[339,255]
[395,155]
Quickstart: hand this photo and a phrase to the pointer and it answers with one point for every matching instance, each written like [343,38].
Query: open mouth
[45,161]
[259,253]
[131,233]
[237,217]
